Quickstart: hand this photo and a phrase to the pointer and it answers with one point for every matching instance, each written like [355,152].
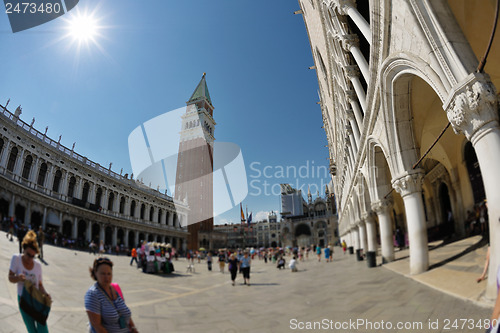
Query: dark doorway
[36,220]
[67,228]
[96,229]
[131,239]
[20,213]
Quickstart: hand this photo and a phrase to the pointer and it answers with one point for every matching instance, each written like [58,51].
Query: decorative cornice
[471,105]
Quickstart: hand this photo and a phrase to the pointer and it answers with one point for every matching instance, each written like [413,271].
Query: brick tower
[194,180]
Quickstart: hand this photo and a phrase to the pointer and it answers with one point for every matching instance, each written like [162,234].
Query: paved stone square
[277,301]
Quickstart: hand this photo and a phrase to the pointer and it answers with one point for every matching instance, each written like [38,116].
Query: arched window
[12,159]
[151,212]
[1,146]
[98,196]
[57,181]
[71,187]
[41,174]
[28,162]
[143,210]
[159,215]
[122,205]
[111,200]
[132,208]
[85,193]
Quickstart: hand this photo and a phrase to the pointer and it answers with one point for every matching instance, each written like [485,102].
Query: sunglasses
[103,260]
[29,255]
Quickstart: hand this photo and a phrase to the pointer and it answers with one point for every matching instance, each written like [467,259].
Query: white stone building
[43,183]
[396,77]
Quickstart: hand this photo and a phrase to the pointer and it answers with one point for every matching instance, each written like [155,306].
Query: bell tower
[194,177]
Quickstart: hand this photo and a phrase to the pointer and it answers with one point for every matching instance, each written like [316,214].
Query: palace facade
[410,109]
[43,183]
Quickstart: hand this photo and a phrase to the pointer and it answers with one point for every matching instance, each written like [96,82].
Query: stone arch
[397,74]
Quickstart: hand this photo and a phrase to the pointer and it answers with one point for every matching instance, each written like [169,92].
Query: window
[12,159]
[132,208]
[57,181]
[111,200]
[71,187]
[122,205]
[143,209]
[41,174]
[98,196]
[85,193]
[28,162]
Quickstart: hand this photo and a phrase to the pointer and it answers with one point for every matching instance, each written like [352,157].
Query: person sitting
[281,263]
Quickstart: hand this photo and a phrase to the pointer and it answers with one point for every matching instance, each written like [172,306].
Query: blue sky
[149,57]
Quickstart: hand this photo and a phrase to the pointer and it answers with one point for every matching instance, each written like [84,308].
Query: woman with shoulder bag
[25,268]
[105,305]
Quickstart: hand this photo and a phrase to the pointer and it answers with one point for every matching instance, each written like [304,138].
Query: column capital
[351,95]
[348,129]
[352,71]
[349,41]
[344,5]
[350,114]
[381,206]
[409,183]
[471,105]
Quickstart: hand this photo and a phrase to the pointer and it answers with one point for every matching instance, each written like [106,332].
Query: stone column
[355,234]
[19,162]
[89,231]
[5,155]
[371,232]
[410,188]
[354,125]
[12,205]
[79,188]
[362,236]
[352,72]
[382,208]
[350,43]
[472,108]
[50,179]
[27,218]
[115,236]
[348,7]
[353,101]
[44,218]
[102,233]
[136,237]
[75,228]
[125,235]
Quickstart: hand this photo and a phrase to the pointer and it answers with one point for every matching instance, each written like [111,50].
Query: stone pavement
[335,295]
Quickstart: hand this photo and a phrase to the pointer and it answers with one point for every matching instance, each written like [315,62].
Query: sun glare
[83,27]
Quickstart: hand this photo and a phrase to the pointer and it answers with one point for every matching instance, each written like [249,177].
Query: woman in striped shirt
[105,307]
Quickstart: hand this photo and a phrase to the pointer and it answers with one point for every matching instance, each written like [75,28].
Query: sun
[83,27]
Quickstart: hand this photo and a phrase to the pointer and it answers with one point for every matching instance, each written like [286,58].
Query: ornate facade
[394,76]
[317,225]
[43,183]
